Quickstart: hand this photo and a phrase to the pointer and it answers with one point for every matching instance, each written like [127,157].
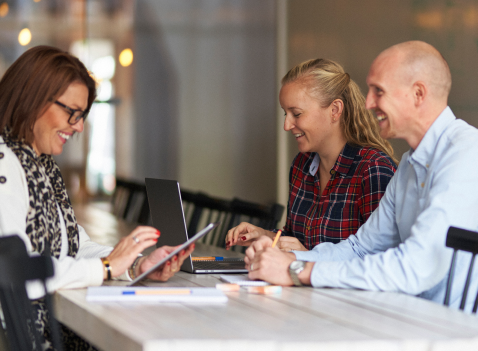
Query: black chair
[129,201]
[464,240]
[260,215]
[229,213]
[16,267]
[263,216]
[205,209]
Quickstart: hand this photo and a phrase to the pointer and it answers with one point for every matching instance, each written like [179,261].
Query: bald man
[402,245]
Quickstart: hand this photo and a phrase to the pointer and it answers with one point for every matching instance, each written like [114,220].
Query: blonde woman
[343,167]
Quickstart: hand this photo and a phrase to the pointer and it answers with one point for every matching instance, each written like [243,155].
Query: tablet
[199,235]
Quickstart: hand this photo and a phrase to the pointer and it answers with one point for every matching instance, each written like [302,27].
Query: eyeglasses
[75,115]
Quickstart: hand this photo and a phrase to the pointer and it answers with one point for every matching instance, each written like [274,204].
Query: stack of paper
[242,280]
[154,294]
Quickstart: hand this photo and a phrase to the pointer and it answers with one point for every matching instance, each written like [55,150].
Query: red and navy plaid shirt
[357,183]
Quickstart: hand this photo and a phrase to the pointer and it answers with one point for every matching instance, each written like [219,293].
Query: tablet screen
[199,235]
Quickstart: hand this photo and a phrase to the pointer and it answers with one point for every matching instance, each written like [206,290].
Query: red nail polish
[175,258]
[243,238]
[168,264]
[155,240]
[158,233]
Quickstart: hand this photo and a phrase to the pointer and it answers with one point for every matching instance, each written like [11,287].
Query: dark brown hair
[327,81]
[33,82]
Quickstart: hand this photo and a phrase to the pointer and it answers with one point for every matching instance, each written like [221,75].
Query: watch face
[296,265]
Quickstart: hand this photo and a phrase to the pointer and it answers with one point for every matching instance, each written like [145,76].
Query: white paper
[154,294]
[242,280]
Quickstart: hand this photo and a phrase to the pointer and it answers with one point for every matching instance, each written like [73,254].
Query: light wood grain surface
[296,319]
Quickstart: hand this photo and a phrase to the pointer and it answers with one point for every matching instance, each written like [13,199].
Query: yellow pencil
[276,239]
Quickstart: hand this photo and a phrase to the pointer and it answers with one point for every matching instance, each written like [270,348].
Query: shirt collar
[426,148]
[342,165]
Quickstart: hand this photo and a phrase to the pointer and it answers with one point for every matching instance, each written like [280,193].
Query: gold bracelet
[132,268]
[107,266]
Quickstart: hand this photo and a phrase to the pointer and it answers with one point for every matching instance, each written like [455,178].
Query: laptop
[167,215]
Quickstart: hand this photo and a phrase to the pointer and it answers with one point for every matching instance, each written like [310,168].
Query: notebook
[242,280]
[167,215]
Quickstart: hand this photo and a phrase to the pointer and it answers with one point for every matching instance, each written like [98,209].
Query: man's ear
[420,92]
[337,108]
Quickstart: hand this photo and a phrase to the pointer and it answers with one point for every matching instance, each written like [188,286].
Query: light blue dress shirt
[402,245]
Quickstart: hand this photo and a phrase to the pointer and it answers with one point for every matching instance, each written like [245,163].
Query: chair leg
[467,283]
[54,326]
[475,306]
[450,280]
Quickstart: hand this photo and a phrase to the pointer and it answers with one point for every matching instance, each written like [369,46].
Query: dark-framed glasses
[75,115]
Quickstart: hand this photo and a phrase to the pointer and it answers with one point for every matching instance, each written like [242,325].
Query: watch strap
[294,273]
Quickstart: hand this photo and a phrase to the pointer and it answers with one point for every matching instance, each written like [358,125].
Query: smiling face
[390,97]
[52,130]
[310,123]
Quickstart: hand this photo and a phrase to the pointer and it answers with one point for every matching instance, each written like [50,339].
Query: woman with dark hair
[45,97]
[343,168]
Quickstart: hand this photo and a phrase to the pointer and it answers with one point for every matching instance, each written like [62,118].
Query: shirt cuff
[96,272]
[309,256]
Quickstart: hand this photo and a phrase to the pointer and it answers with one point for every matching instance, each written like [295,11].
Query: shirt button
[332,172]
[2,180]
[1,155]
[423,184]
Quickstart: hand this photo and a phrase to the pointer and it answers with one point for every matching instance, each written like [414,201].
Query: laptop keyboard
[226,264]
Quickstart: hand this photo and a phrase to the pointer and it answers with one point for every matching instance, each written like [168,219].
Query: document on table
[242,280]
[154,294]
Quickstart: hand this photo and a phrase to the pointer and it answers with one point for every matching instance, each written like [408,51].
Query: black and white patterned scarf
[45,189]
[45,185]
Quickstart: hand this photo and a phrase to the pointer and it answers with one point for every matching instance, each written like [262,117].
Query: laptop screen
[165,205]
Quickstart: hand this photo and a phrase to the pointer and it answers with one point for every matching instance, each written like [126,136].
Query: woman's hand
[167,270]
[244,234]
[129,247]
[289,243]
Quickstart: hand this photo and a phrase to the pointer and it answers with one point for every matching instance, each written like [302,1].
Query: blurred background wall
[198,101]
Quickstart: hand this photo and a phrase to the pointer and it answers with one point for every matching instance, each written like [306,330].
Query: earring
[334,119]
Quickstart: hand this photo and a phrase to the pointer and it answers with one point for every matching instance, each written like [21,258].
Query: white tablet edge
[199,235]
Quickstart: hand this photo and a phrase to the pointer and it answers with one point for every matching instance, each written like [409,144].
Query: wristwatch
[294,270]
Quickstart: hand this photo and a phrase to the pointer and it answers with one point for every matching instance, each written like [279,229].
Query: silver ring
[136,240]
[252,267]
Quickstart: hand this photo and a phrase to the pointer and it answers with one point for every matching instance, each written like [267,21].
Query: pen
[279,232]
[158,292]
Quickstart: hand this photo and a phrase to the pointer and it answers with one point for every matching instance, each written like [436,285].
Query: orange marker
[265,290]
[276,239]
[228,287]
[206,258]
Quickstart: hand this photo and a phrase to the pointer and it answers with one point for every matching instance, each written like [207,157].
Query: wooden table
[297,319]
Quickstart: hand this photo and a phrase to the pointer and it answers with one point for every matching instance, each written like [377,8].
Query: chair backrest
[464,240]
[263,216]
[203,209]
[229,213]
[16,267]
[130,202]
